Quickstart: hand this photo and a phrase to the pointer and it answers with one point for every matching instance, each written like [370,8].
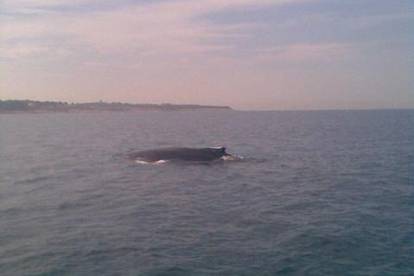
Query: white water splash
[142,162]
[231,158]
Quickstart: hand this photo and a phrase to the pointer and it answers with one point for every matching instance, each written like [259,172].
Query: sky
[248,54]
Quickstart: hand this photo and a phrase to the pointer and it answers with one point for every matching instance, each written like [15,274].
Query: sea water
[316,193]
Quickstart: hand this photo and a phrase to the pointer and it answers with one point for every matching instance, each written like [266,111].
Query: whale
[180,154]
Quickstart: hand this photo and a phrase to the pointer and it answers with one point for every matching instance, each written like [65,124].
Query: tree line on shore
[32,106]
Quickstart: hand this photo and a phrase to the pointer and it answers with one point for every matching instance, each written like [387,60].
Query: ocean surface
[317,193]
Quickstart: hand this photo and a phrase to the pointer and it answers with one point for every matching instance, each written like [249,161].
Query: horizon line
[213,105]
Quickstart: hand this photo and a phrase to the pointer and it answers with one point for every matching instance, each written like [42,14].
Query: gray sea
[317,193]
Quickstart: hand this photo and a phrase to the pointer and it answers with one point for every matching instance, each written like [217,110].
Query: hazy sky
[250,54]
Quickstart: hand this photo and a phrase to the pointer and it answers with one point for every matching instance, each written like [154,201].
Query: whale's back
[180,153]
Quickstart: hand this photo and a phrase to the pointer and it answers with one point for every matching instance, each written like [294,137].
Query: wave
[228,158]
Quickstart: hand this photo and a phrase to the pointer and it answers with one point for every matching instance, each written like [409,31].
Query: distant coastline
[19,106]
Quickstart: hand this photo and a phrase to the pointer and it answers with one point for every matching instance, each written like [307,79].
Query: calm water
[318,193]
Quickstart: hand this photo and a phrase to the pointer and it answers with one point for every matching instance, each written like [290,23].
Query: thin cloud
[305,52]
[166,27]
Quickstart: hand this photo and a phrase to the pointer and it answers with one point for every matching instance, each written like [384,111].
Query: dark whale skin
[183,154]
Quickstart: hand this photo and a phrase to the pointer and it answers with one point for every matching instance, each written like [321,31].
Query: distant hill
[48,106]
